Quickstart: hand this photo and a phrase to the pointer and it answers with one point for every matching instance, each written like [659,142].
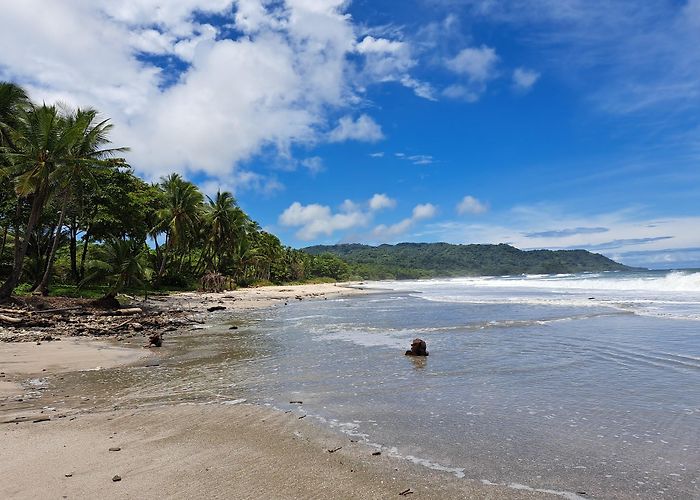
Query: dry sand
[246,299]
[190,451]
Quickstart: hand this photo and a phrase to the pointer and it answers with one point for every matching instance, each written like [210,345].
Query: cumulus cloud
[524,79]
[471,205]
[314,220]
[201,98]
[420,212]
[363,129]
[381,201]
[424,211]
[391,61]
[478,64]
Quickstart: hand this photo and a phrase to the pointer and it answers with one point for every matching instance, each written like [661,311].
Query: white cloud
[457,91]
[314,220]
[424,211]
[369,44]
[391,61]
[379,154]
[362,129]
[478,64]
[380,201]
[420,212]
[416,159]
[524,79]
[314,164]
[471,205]
[275,84]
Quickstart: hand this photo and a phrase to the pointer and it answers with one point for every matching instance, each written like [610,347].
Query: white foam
[674,295]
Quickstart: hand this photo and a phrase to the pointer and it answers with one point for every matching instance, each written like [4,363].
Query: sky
[539,123]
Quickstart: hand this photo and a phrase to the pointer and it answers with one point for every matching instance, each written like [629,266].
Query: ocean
[586,386]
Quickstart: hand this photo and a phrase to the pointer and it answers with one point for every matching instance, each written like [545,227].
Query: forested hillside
[420,260]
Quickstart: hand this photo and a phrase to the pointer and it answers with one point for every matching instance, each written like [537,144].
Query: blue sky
[540,123]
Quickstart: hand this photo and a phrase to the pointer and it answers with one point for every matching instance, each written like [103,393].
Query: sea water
[582,385]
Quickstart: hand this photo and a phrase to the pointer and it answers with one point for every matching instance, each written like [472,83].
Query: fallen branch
[10,319]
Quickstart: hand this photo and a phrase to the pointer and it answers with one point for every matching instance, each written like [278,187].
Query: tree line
[73,212]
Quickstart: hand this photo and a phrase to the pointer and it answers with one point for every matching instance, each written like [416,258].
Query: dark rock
[116,478]
[234,327]
[376,453]
[418,348]
[115,448]
[68,474]
[155,339]
[296,402]
[216,308]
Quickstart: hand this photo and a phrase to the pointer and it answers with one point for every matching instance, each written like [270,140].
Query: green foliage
[424,260]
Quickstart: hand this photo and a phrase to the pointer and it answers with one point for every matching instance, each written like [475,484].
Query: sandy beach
[57,444]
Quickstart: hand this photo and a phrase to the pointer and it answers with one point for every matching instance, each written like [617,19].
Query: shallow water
[527,383]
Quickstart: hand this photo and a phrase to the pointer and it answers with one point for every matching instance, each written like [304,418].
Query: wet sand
[187,450]
[239,451]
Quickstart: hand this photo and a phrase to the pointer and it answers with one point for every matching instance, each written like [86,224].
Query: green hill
[424,260]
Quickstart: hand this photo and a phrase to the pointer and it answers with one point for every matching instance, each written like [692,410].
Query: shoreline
[240,450]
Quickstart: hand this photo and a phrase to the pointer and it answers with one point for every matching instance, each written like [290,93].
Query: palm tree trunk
[73,245]
[43,287]
[4,239]
[21,249]
[83,256]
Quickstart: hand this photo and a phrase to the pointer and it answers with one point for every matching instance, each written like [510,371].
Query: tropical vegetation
[73,214]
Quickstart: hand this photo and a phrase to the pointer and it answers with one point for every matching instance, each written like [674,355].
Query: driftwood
[10,319]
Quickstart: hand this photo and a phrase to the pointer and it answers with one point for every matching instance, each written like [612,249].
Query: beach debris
[155,339]
[303,416]
[41,419]
[335,449]
[418,348]
[68,474]
[213,282]
[376,453]
[115,448]
[128,311]
[234,327]
[216,308]
[116,478]
[406,492]
[296,402]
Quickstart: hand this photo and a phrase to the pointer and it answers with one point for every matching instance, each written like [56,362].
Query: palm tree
[180,218]
[13,101]
[41,142]
[225,225]
[86,153]
[123,263]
